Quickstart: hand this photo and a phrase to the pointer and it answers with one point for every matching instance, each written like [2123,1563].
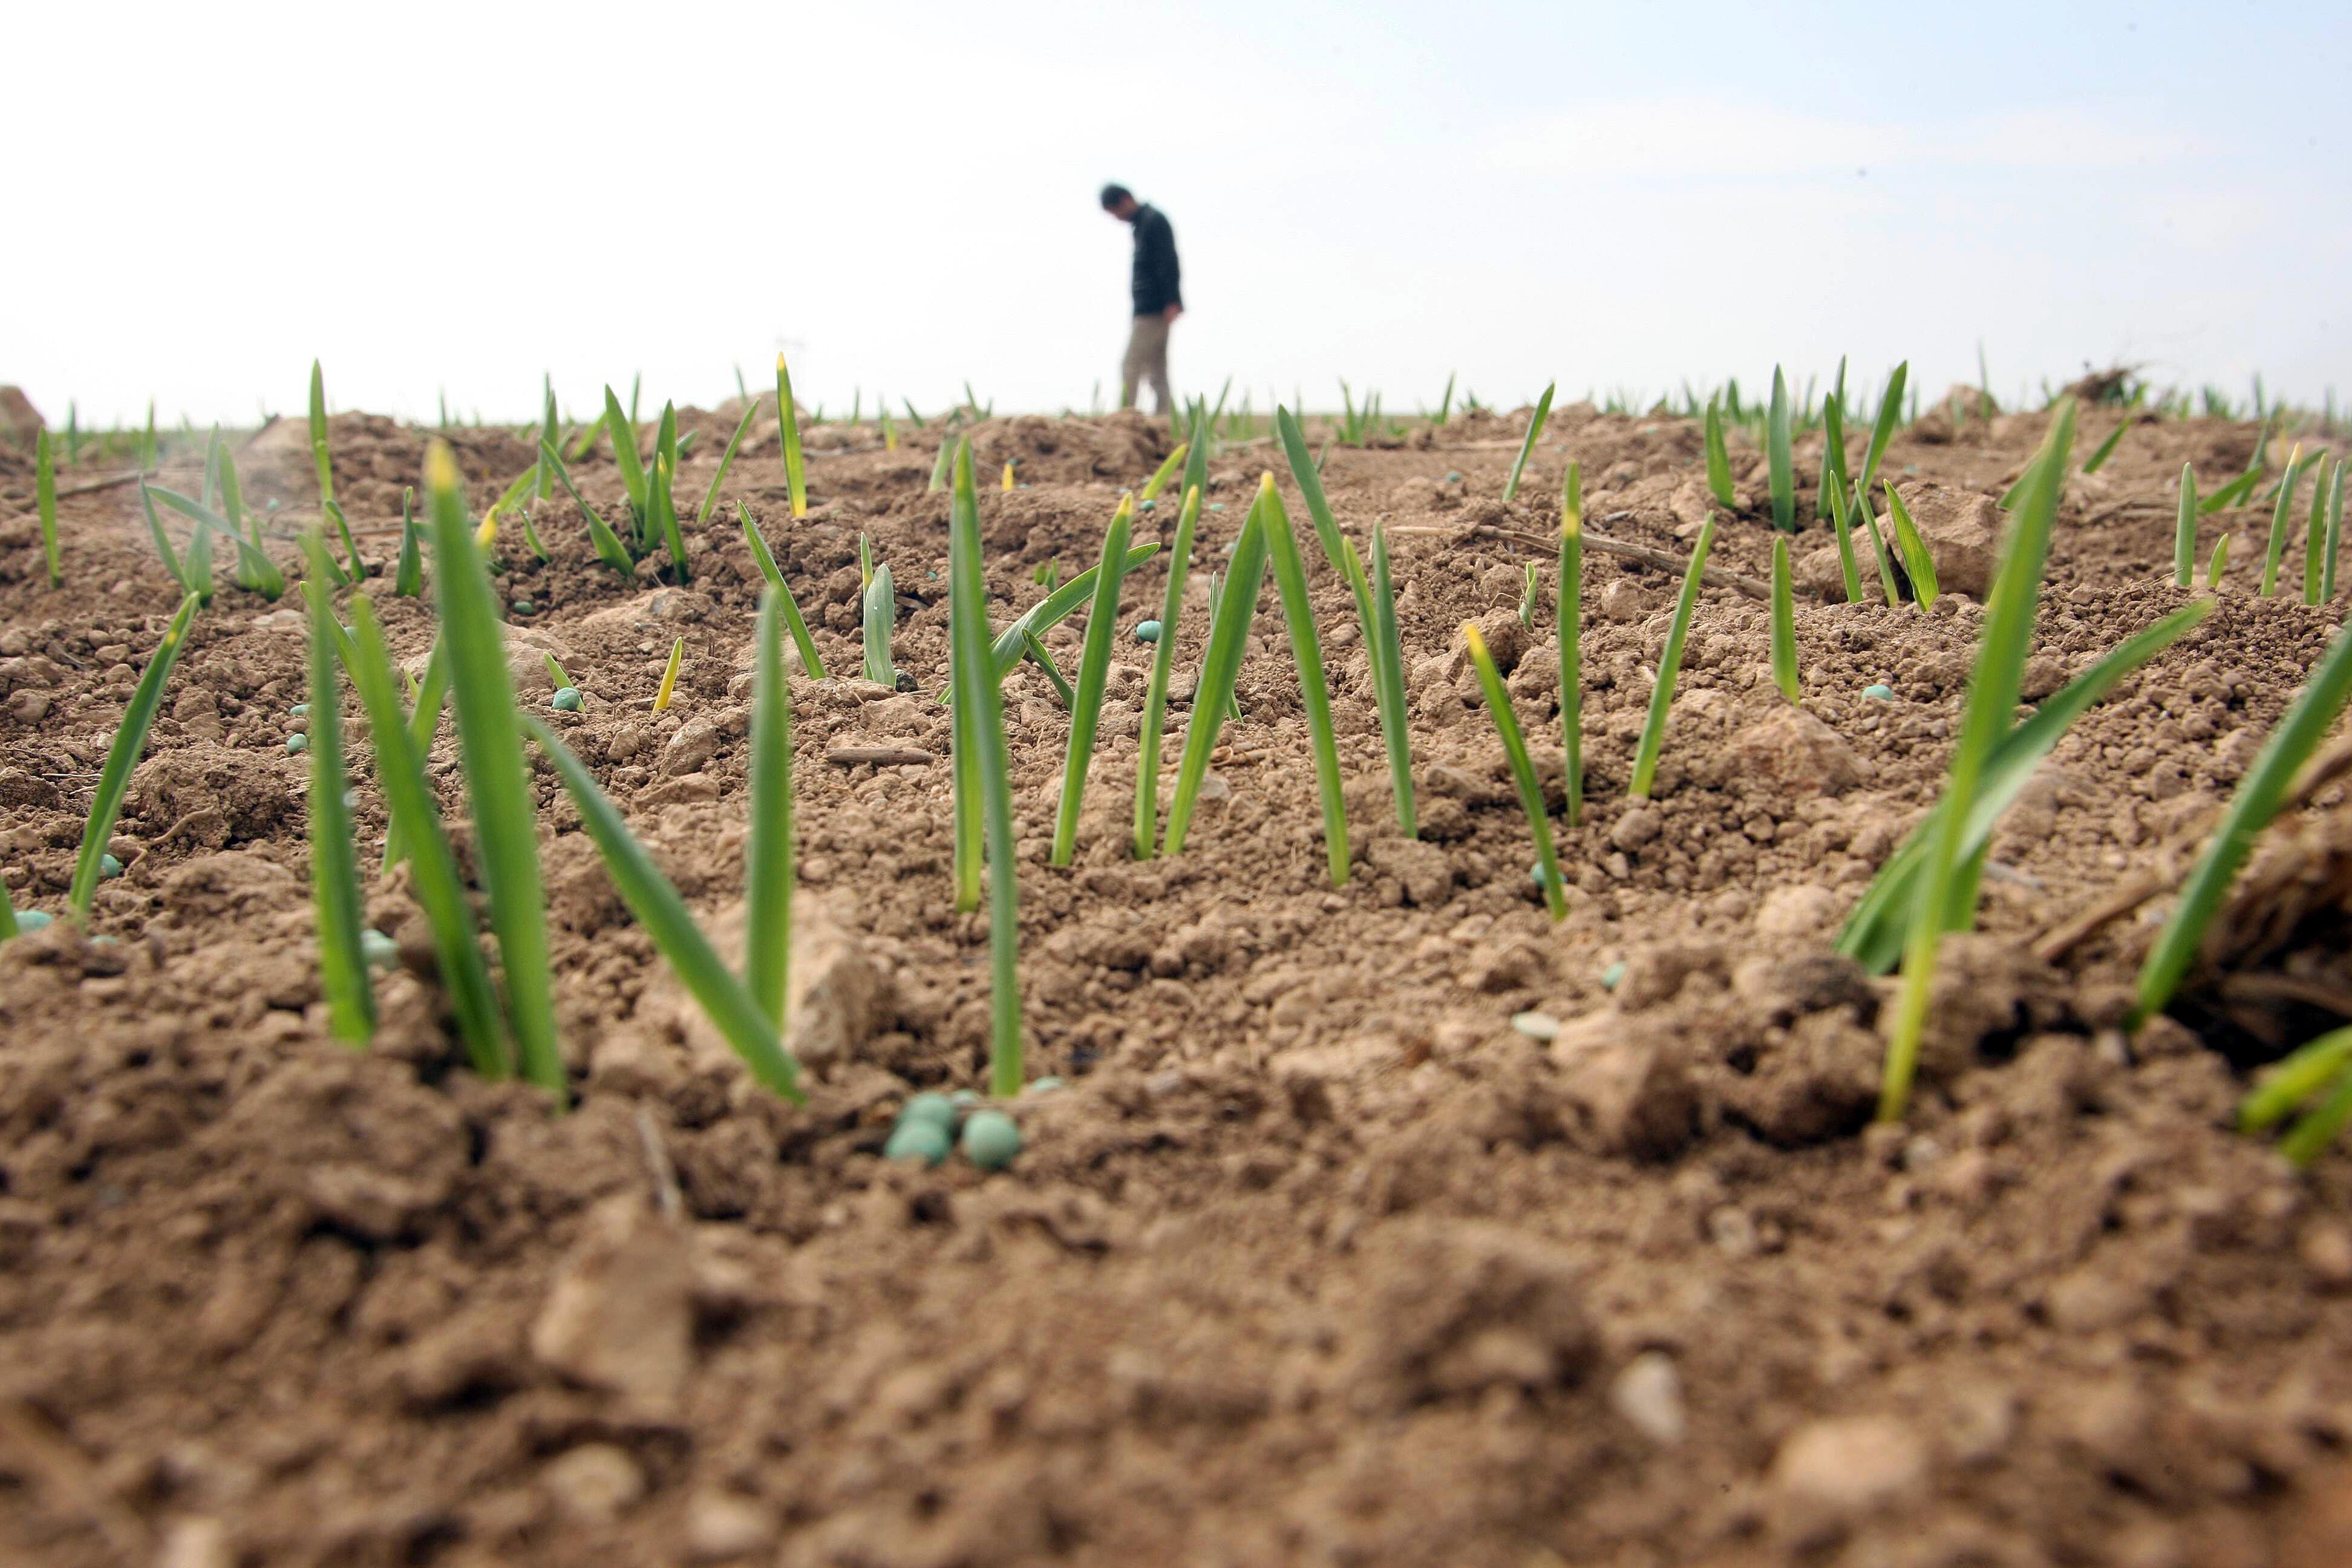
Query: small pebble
[1148,503]
[297,743]
[1614,974]
[567,700]
[1044,1086]
[1649,1395]
[1146,631]
[300,708]
[108,868]
[925,1141]
[379,950]
[964,1100]
[1454,476]
[990,1139]
[930,1106]
[1216,506]
[29,921]
[525,607]
[1883,693]
[1535,1025]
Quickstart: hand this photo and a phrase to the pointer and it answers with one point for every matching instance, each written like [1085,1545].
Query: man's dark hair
[1114,194]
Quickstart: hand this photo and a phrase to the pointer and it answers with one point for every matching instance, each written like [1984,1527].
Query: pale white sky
[459,196]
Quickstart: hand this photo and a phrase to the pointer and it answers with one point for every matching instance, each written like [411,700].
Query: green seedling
[748,1028]
[1917,563]
[1991,700]
[624,426]
[2106,448]
[1383,653]
[1166,471]
[408,575]
[1890,414]
[2331,542]
[941,465]
[769,866]
[1718,460]
[609,547]
[130,742]
[2314,532]
[1527,445]
[1163,657]
[358,572]
[433,869]
[1048,612]
[792,610]
[1232,610]
[1875,932]
[725,461]
[506,838]
[45,493]
[665,514]
[2260,795]
[170,557]
[1523,772]
[1852,574]
[1531,592]
[320,458]
[2218,563]
[1299,612]
[1569,615]
[1093,670]
[334,855]
[1670,664]
[2184,528]
[1886,558]
[2280,513]
[1834,474]
[547,434]
[1784,620]
[983,778]
[880,614]
[1782,467]
[2320,1072]
[1038,655]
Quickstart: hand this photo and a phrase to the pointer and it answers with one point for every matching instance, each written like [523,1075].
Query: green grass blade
[624,454]
[1852,574]
[985,769]
[881,614]
[130,742]
[2217,562]
[1527,445]
[1523,771]
[433,869]
[1569,615]
[2234,493]
[1219,665]
[2312,1135]
[1916,562]
[319,456]
[334,853]
[650,896]
[408,576]
[2295,1079]
[163,541]
[1878,550]
[1164,663]
[1718,460]
[1992,703]
[767,860]
[1306,648]
[1890,414]
[1093,670]
[1166,471]
[2107,447]
[2280,513]
[1834,474]
[941,465]
[358,573]
[1305,473]
[788,424]
[1776,450]
[1670,664]
[549,433]
[2314,533]
[506,827]
[1042,658]
[1874,935]
[609,547]
[665,516]
[2259,797]
[1385,653]
[2184,529]
[1784,620]
[45,491]
[791,611]
[2331,542]
[1053,610]
[725,461]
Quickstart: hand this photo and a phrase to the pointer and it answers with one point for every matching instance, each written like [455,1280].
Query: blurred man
[1157,300]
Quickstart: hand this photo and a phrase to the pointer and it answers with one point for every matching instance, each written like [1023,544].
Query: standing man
[1157,300]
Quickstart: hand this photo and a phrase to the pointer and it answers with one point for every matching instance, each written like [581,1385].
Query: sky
[456,199]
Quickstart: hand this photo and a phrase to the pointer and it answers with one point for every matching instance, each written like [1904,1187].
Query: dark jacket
[1155,263]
